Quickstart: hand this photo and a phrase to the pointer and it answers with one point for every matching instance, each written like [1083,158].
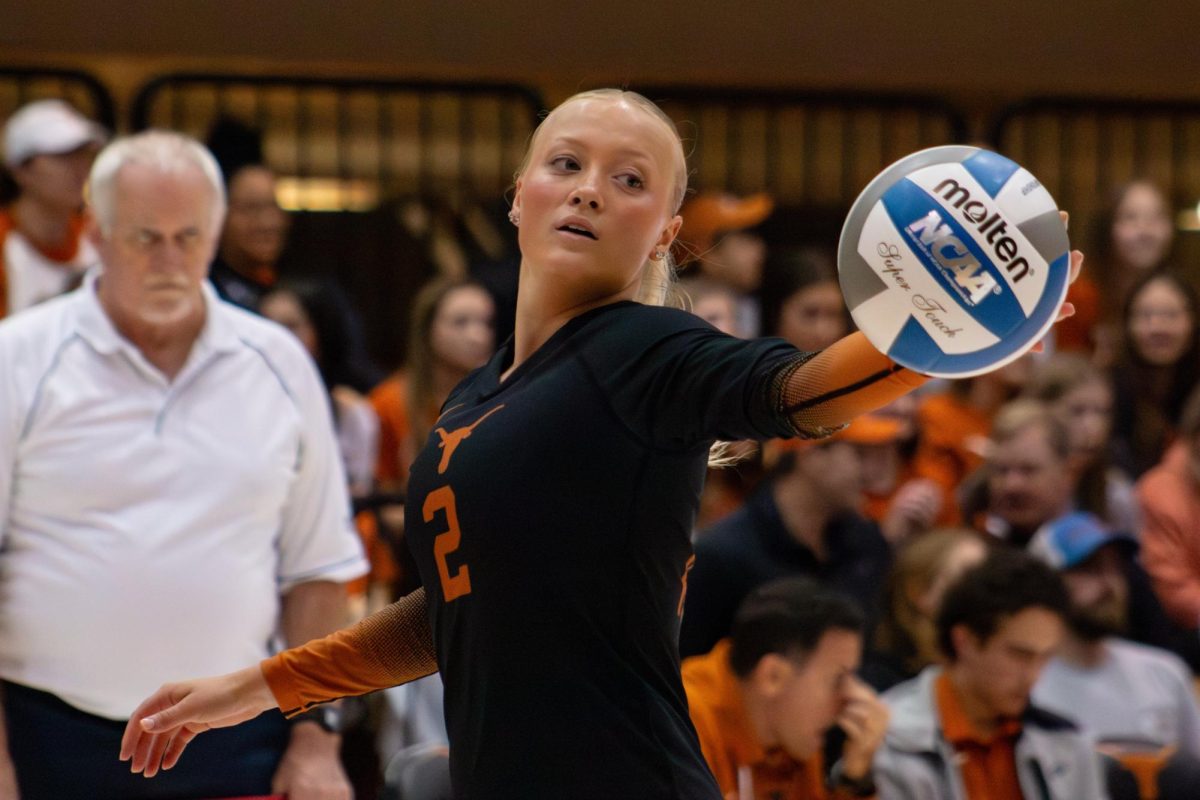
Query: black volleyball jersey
[550,518]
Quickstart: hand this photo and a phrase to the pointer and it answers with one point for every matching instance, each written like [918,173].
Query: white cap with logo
[48,127]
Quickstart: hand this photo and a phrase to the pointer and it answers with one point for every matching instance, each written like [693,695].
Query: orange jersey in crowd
[952,434]
[64,254]
[1169,496]
[988,764]
[391,406]
[729,743]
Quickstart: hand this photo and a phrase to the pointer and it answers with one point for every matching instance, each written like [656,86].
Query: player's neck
[44,226]
[543,307]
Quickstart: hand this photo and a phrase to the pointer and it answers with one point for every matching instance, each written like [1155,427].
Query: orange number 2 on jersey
[459,584]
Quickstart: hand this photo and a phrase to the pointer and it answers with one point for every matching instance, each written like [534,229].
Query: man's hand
[311,768]
[913,509]
[865,720]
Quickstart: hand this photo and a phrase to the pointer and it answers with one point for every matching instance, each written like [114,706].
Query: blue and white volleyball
[954,261]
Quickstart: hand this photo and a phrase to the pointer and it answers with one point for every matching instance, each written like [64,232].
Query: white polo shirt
[148,528]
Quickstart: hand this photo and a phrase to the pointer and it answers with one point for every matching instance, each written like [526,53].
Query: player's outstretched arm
[390,647]
[851,377]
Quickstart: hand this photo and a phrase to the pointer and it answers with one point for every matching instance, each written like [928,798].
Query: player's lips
[577,226]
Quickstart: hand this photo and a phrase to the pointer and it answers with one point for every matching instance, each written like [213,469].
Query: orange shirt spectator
[953,437]
[728,741]
[988,763]
[1169,496]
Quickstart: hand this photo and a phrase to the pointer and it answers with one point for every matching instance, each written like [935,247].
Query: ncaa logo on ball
[954,261]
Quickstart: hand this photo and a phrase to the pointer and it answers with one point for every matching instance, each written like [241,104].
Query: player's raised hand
[161,727]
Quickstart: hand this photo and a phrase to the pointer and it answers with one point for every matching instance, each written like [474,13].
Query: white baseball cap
[48,127]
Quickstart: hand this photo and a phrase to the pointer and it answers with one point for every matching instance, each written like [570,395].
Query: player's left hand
[1066,309]
[865,720]
[311,768]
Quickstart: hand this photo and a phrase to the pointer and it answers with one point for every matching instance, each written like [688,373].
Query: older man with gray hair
[171,501]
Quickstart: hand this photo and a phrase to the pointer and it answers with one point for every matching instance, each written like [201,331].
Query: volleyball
[954,261]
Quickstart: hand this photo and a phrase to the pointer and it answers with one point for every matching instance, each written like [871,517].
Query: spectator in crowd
[803,520]
[48,150]
[713,302]
[1124,695]
[953,427]
[968,731]
[317,316]
[1169,496]
[1080,396]
[1158,367]
[903,504]
[1029,484]
[1136,234]
[763,699]
[718,236]
[906,639]
[256,227]
[450,334]
[168,466]
[802,299]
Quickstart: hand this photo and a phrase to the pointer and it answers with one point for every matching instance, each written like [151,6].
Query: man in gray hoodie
[967,731]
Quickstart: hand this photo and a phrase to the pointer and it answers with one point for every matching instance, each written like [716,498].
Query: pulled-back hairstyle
[1006,583]
[658,275]
[788,616]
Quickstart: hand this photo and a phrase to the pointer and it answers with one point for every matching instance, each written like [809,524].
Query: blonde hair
[905,632]
[657,287]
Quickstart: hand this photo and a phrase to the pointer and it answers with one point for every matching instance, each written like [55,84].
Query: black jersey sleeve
[675,381]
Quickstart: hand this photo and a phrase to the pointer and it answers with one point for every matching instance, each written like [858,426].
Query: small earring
[659,255]
[514,217]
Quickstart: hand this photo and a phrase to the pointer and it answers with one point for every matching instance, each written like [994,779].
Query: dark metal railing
[805,148]
[1082,148]
[422,138]
[21,85]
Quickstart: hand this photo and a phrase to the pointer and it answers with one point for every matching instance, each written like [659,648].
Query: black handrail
[103,109]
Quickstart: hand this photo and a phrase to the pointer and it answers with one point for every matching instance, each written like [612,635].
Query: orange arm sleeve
[390,647]
[846,379]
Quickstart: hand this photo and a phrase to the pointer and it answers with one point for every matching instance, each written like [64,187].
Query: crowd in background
[1086,455]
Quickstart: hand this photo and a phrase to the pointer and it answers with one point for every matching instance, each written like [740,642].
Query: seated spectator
[906,639]
[763,700]
[969,731]
[256,228]
[1170,499]
[312,312]
[713,302]
[1132,238]
[450,334]
[1030,486]
[803,520]
[48,150]
[953,428]
[903,504]
[1080,395]
[718,238]
[1123,694]
[1158,367]
[802,299]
